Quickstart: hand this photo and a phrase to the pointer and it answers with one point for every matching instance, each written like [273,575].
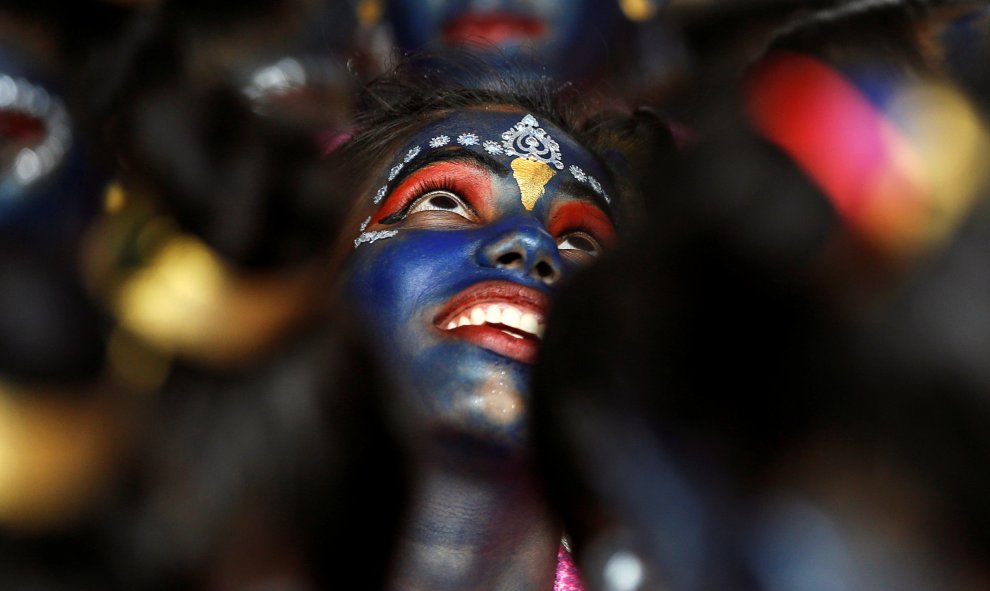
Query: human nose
[525,248]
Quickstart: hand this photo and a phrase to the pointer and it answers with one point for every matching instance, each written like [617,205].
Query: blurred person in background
[62,419]
[567,40]
[179,407]
[784,390]
[592,44]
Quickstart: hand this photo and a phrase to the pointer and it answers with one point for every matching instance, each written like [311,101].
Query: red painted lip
[494,337]
[495,27]
[19,127]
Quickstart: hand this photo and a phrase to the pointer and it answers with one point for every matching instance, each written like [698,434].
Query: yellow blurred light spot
[185,301]
[173,296]
[950,144]
[369,12]
[638,10]
[53,456]
[169,303]
[115,199]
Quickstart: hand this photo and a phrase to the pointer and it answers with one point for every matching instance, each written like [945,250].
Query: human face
[568,36]
[456,269]
[48,188]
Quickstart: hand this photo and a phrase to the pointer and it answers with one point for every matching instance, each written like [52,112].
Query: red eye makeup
[581,216]
[468,180]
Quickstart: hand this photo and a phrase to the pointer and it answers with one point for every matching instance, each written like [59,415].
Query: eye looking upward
[582,230]
[442,200]
[580,243]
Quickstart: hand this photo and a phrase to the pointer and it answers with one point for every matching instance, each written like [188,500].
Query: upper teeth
[504,314]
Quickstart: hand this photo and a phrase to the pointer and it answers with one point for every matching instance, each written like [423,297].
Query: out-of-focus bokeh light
[901,177]
[174,294]
[115,199]
[950,146]
[623,572]
[640,10]
[36,132]
[369,12]
[54,454]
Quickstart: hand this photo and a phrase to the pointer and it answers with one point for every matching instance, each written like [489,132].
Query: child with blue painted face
[474,205]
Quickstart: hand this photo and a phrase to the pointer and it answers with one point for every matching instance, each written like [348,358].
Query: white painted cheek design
[370,237]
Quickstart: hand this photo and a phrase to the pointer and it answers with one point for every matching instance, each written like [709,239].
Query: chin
[482,406]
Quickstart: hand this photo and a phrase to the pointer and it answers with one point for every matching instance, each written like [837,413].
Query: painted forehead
[519,140]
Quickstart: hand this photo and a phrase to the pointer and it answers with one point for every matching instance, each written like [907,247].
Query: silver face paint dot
[468,139]
[578,174]
[381,194]
[412,154]
[493,148]
[439,141]
[584,177]
[395,171]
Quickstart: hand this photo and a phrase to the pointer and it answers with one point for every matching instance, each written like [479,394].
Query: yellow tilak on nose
[532,178]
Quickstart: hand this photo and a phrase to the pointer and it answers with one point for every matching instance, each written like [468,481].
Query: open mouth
[34,130]
[500,316]
[493,28]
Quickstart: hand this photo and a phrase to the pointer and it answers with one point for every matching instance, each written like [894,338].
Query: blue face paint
[456,298]
[48,188]
[570,37]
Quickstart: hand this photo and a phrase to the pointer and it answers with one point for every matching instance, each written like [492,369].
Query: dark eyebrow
[586,193]
[447,154]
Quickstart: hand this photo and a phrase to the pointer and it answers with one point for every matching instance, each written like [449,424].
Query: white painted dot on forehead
[395,171]
[493,148]
[439,141]
[583,177]
[468,139]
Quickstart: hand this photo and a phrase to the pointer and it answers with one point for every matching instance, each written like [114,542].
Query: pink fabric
[568,578]
[331,140]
